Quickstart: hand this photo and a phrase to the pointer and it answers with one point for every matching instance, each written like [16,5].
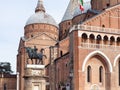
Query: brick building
[89,47]
[85,55]
[8,82]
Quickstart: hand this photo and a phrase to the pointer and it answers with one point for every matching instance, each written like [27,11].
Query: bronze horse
[32,54]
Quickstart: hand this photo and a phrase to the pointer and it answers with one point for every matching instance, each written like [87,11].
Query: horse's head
[28,49]
[42,50]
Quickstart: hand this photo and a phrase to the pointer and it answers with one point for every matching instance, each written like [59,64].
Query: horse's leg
[42,62]
[35,61]
[32,60]
[39,61]
[27,60]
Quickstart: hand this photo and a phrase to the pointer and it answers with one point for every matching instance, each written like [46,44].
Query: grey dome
[41,17]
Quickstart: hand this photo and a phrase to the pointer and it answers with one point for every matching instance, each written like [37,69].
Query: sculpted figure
[33,54]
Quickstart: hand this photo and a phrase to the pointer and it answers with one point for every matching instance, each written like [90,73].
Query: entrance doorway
[36,87]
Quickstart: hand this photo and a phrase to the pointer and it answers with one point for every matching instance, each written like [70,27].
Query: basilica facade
[81,53]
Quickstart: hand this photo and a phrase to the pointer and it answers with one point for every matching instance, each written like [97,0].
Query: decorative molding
[97,53]
[35,66]
[115,60]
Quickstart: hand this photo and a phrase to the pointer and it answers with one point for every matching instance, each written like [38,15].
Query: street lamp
[71,79]
[71,73]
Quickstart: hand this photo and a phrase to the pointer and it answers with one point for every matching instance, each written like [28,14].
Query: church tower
[89,45]
[40,33]
[66,22]
[93,47]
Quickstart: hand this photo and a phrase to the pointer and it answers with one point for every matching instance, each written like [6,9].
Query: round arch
[118,39]
[115,60]
[112,38]
[84,36]
[97,53]
[105,38]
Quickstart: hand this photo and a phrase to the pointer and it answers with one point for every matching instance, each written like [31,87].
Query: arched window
[112,40]
[103,25]
[92,38]
[105,38]
[99,37]
[118,41]
[61,53]
[31,35]
[98,41]
[68,23]
[84,37]
[119,72]
[88,74]
[107,4]
[101,74]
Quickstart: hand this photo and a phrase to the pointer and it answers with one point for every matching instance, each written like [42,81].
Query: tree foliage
[5,67]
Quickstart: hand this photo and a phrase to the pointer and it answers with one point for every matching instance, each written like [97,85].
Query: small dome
[41,17]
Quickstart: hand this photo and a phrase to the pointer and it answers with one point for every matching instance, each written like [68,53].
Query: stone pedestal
[35,77]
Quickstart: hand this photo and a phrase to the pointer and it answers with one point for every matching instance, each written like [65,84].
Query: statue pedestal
[35,77]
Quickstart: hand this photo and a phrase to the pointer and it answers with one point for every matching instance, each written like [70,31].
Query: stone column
[35,77]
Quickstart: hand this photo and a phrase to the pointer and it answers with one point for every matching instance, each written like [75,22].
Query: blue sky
[13,16]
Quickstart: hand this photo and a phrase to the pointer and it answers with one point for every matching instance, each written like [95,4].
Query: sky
[13,16]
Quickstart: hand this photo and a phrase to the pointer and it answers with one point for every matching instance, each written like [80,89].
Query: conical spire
[70,10]
[73,6]
[40,6]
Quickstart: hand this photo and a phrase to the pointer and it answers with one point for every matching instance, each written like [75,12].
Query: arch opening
[118,41]
[99,37]
[112,40]
[92,38]
[105,39]
[101,54]
[89,74]
[84,37]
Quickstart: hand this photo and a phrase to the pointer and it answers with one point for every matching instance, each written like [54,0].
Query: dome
[41,17]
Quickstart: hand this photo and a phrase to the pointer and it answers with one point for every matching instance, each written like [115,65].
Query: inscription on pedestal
[34,77]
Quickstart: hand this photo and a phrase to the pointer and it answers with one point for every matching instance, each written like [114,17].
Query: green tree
[5,67]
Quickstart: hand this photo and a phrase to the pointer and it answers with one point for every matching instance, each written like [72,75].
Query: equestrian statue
[33,54]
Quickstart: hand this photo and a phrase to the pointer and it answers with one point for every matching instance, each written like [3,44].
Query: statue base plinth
[33,66]
[35,77]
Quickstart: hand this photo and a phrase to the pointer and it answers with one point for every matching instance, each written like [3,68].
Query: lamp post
[71,80]
[71,73]
[17,80]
